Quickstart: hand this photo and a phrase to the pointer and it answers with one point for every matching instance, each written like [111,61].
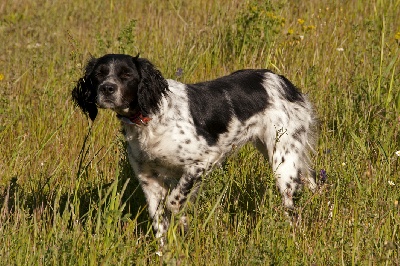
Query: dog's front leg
[155,192]
[154,189]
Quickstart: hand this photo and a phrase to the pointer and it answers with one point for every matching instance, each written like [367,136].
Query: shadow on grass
[42,198]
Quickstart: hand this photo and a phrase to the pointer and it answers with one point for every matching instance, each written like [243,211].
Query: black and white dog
[177,132]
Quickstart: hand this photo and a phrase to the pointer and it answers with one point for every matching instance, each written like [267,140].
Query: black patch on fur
[297,180]
[183,200]
[152,86]
[298,133]
[187,186]
[213,103]
[299,174]
[291,93]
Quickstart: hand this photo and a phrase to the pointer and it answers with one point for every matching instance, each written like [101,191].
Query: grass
[68,196]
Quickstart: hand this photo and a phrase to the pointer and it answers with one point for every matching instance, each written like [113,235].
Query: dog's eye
[101,72]
[99,75]
[126,75]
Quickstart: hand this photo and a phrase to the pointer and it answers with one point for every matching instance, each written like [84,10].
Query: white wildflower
[330,215]
[391,183]
[33,45]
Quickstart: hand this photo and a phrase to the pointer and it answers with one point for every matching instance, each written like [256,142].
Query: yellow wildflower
[270,14]
[290,31]
[397,36]
[1,77]
[310,27]
[300,21]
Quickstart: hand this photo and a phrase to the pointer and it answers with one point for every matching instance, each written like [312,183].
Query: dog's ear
[152,86]
[84,94]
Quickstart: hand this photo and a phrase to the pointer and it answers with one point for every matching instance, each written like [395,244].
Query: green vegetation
[68,196]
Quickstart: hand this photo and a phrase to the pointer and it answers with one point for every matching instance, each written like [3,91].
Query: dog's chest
[174,145]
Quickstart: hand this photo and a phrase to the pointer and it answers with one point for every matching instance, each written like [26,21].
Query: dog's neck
[136,119]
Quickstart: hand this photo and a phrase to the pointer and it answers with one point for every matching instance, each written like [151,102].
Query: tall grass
[69,197]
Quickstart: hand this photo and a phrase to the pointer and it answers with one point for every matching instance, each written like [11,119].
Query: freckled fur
[195,127]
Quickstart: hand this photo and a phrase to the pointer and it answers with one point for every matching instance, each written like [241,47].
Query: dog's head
[122,83]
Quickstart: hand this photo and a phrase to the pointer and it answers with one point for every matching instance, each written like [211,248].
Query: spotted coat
[190,128]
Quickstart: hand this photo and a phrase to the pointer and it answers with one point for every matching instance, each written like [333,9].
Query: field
[68,196]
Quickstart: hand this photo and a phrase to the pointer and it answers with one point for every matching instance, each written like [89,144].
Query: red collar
[137,119]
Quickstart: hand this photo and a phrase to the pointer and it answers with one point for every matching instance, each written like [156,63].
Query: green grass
[68,196]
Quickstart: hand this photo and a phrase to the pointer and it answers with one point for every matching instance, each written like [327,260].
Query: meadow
[68,196]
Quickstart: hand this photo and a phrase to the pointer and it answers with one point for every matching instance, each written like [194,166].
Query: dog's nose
[108,88]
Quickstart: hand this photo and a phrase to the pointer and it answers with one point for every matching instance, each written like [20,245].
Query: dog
[176,133]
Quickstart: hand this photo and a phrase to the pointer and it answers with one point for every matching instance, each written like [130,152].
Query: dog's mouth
[105,104]
[123,110]
[110,103]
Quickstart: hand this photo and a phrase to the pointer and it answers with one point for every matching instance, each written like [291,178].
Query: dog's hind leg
[288,152]
[291,165]
[185,190]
